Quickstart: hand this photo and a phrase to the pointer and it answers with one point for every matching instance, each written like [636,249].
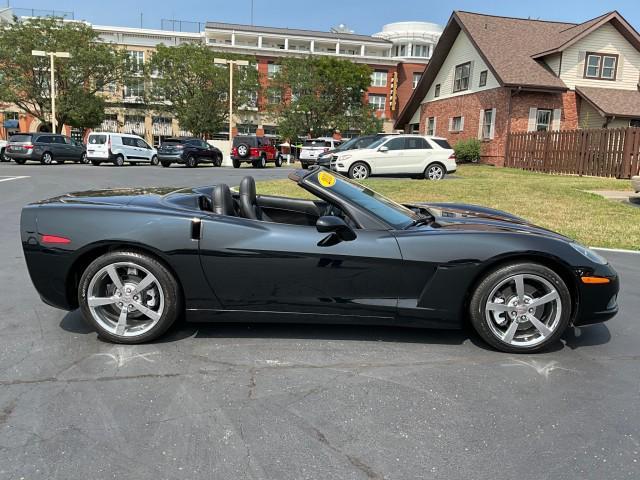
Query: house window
[379,78]
[379,102]
[272,69]
[483,79]
[461,77]
[134,88]
[436,92]
[416,80]
[431,126]
[137,59]
[600,66]
[543,120]
[487,123]
[274,96]
[456,124]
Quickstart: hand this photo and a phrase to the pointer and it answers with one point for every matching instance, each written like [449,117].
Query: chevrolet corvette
[135,260]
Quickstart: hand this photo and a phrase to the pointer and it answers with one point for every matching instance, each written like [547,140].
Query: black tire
[84,159]
[236,163]
[483,290]
[278,160]
[20,161]
[170,289]
[244,150]
[118,161]
[359,171]
[95,163]
[435,171]
[262,162]
[154,160]
[191,162]
[217,162]
[3,157]
[133,164]
[165,164]
[46,159]
[304,165]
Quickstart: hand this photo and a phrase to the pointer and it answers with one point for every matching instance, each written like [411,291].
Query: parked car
[189,152]
[135,261]
[118,148]
[3,146]
[45,148]
[255,150]
[635,183]
[406,155]
[356,143]
[313,148]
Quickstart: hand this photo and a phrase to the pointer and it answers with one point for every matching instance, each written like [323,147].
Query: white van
[117,148]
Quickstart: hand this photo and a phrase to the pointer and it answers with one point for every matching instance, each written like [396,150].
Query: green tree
[79,80]
[185,81]
[322,95]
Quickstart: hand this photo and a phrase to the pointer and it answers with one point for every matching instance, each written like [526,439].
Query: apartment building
[398,55]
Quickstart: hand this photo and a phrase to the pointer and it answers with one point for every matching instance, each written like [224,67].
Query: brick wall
[469,106]
[405,83]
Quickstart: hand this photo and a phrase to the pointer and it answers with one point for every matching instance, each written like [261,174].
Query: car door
[144,150]
[260,266]
[206,151]
[389,157]
[417,154]
[66,148]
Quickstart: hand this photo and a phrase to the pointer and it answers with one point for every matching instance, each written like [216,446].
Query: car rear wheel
[3,156]
[262,162]
[435,171]
[359,171]
[165,164]
[83,158]
[236,163]
[46,159]
[95,163]
[521,307]
[304,165]
[191,162]
[278,160]
[20,161]
[118,161]
[217,161]
[129,297]
[154,160]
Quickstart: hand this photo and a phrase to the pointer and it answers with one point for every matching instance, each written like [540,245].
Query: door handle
[196,229]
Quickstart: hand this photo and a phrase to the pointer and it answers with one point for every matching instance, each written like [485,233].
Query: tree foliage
[185,81]
[322,95]
[78,80]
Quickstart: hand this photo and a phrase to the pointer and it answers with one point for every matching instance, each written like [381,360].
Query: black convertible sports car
[135,260]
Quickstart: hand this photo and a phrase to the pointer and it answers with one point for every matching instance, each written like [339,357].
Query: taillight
[55,239]
[27,147]
[234,151]
[254,152]
[452,156]
[109,145]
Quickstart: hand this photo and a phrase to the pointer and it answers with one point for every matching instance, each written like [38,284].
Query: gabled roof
[612,102]
[512,49]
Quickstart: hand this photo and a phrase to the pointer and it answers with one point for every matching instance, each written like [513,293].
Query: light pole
[52,55]
[231,63]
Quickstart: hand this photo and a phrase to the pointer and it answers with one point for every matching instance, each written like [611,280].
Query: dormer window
[600,66]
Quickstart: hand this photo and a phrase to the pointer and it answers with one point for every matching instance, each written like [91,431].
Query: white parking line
[4,178]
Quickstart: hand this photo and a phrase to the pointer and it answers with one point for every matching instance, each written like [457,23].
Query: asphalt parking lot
[301,401]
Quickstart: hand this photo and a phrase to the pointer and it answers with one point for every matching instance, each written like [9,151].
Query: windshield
[378,142]
[20,138]
[393,213]
[348,145]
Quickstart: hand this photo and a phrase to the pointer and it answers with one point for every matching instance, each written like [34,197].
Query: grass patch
[556,202]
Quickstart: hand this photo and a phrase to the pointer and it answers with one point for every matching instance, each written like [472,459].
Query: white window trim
[492,127]
[461,129]
[379,78]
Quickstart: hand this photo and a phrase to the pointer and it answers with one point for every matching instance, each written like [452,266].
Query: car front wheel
[521,307]
[359,171]
[435,171]
[154,160]
[3,156]
[47,158]
[83,158]
[191,162]
[129,297]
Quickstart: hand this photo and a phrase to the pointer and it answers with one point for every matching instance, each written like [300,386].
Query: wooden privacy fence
[600,153]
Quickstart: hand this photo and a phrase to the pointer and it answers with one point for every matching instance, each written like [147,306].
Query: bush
[468,150]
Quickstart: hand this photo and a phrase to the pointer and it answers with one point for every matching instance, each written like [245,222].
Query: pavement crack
[252,384]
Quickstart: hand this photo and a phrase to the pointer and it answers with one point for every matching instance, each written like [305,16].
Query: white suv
[117,148]
[313,148]
[410,155]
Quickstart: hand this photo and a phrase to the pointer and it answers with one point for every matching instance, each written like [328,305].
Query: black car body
[45,148]
[188,151]
[350,256]
[356,143]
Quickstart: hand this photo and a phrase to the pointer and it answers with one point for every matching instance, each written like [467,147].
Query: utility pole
[251,12]
[52,55]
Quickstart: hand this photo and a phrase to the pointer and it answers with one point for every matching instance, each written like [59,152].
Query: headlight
[590,254]
[344,157]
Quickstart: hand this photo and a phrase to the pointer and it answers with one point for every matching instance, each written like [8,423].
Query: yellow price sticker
[326,179]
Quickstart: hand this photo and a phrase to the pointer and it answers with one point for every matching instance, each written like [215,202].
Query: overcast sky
[363,16]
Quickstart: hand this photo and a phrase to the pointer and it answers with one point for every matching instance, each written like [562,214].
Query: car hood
[119,196]
[460,216]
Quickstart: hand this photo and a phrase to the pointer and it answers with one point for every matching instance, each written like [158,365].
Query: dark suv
[188,151]
[257,150]
[45,148]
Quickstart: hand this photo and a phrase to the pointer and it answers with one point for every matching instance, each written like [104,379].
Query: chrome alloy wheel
[359,172]
[125,299]
[435,172]
[243,150]
[523,310]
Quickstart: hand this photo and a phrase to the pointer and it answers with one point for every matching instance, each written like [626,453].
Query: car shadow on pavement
[573,338]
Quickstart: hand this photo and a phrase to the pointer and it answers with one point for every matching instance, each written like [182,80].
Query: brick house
[490,76]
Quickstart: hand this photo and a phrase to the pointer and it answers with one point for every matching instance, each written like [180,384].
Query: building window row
[379,102]
[600,66]
[379,78]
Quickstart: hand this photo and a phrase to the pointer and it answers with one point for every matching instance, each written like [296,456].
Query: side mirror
[383,149]
[337,229]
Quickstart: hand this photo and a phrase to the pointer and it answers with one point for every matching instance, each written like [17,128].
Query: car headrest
[248,188]
[222,200]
